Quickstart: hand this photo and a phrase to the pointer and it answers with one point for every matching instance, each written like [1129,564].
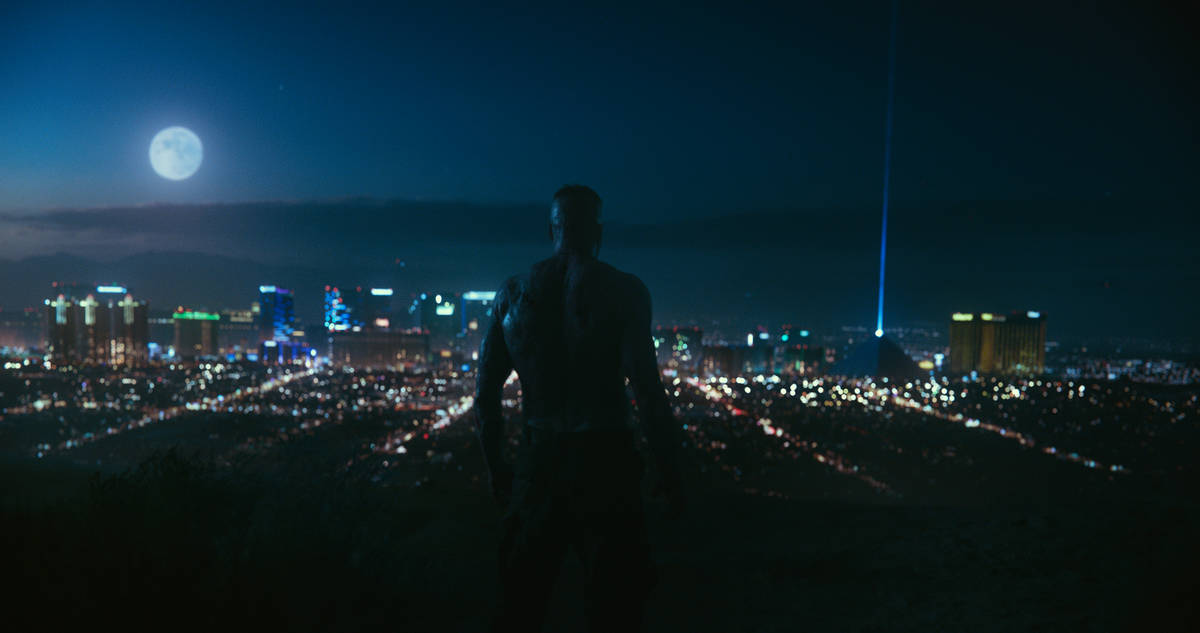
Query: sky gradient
[1031,142]
[666,112]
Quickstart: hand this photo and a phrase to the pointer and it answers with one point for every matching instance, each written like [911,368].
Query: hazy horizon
[799,266]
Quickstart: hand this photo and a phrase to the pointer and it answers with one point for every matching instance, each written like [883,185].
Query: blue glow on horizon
[887,164]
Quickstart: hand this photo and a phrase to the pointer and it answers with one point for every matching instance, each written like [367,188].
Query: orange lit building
[989,343]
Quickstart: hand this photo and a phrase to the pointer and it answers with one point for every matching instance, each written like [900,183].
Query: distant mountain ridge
[371,223]
[1130,273]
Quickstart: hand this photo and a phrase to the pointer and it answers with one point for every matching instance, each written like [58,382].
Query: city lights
[196,316]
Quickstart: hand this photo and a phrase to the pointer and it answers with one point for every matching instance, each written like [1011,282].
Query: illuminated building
[238,332]
[990,343]
[724,360]
[337,310]
[196,334]
[286,353]
[96,324]
[760,358]
[439,315]
[879,357]
[105,327]
[679,348]
[377,308]
[355,309]
[63,331]
[129,340]
[22,328]
[380,348]
[757,356]
[801,358]
[792,335]
[162,329]
[797,351]
[276,317]
[477,309]
[64,318]
[476,312]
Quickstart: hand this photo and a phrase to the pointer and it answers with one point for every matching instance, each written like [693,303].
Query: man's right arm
[641,366]
[495,365]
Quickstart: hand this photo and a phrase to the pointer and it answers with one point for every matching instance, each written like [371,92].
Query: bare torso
[563,324]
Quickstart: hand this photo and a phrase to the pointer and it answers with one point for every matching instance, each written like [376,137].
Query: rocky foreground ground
[179,543]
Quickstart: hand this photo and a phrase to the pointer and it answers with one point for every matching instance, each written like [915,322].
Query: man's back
[574,328]
[565,325]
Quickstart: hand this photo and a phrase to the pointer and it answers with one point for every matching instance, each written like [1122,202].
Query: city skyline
[959,257]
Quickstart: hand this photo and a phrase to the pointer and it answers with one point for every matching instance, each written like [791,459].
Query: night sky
[1070,131]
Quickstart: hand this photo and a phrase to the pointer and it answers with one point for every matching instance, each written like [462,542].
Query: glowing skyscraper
[277,317]
[102,327]
[992,343]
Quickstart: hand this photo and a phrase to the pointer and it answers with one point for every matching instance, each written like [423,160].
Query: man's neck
[574,254]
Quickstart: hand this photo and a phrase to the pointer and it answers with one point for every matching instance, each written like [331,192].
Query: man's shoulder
[513,282]
[627,281]
[632,285]
[510,289]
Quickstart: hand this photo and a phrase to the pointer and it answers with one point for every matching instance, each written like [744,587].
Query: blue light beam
[887,164]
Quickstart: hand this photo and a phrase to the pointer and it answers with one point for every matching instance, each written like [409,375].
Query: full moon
[175,153]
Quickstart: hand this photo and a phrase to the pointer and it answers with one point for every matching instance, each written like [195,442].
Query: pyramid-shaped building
[879,357]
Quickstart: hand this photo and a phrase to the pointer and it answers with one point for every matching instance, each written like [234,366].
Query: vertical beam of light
[887,163]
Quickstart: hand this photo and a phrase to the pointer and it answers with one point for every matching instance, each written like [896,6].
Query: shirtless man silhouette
[574,328]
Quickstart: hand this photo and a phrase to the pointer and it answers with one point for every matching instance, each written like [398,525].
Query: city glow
[196,316]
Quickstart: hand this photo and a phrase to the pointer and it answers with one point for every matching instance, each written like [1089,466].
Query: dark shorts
[580,491]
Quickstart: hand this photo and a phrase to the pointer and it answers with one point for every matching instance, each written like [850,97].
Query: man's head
[575,220]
